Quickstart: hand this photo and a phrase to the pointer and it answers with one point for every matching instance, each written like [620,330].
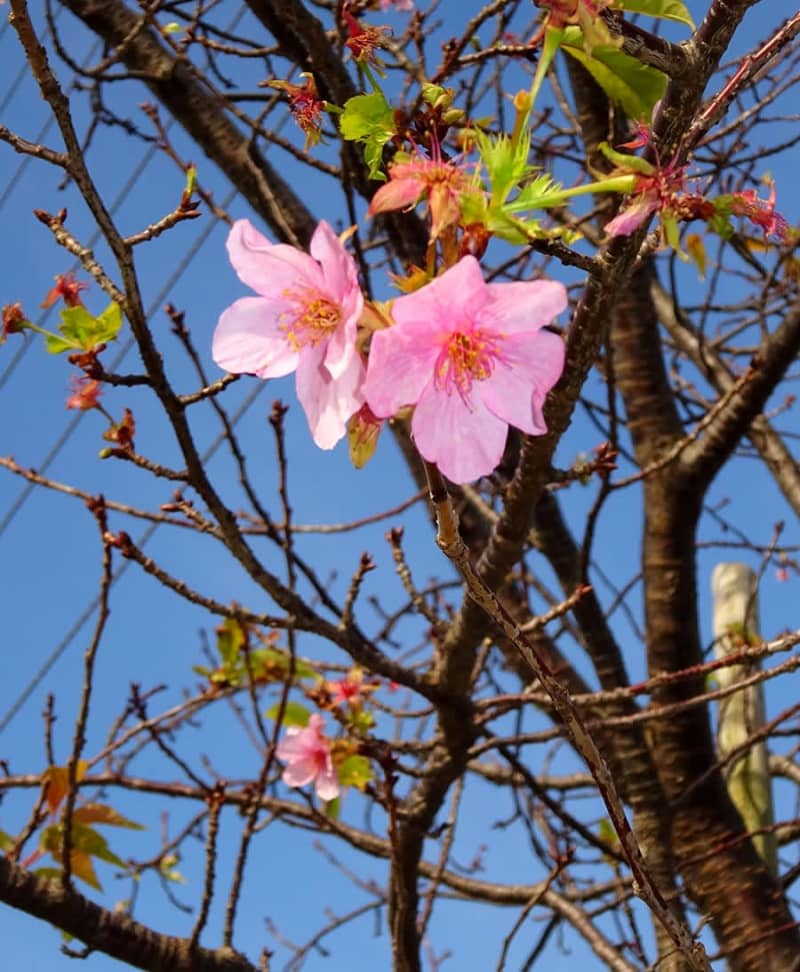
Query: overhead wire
[72,424]
[86,614]
[11,185]
[95,237]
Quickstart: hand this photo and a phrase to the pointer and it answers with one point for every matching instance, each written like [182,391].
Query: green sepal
[623,160]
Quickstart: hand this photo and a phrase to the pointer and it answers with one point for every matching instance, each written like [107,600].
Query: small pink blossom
[473,358]
[85,393]
[307,754]
[443,183]
[405,5]
[662,191]
[303,320]
[68,288]
[760,212]
[634,214]
[349,690]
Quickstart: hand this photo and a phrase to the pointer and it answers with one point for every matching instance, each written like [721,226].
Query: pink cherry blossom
[443,182]
[398,4]
[303,320]
[349,690]
[307,754]
[473,358]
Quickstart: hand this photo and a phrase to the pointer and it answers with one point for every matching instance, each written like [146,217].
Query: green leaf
[303,670]
[333,808]
[57,345]
[83,868]
[355,771]
[230,639]
[369,119]
[664,9]
[635,86]
[77,326]
[6,841]
[506,162]
[697,251]
[82,332]
[108,324]
[534,195]
[99,813]
[87,840]
[169,871]
[270,662]
[294,714]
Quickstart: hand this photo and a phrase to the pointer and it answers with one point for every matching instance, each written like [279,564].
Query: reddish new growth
[13,320]
[68,289]
[587,14]
[305,105]
[363,41]
[563,12]
[122,432]
[85,394]
[761,212]
[660,189]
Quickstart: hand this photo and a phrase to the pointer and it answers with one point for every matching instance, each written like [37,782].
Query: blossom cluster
[470,357]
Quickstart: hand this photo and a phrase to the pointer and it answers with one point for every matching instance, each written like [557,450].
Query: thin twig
[98,510]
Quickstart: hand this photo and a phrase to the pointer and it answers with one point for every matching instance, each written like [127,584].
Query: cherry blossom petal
[300,771]
[516,391]
[338,267]
[632,217]
[445,205]
[398,193]
[464,442]
[341,348]
[327,784]
[442,305]
[269,268]
[329,402]
[247,340]
[400,366]
[523,307]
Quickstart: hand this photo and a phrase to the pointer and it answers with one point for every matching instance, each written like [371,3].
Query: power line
[115,205]
[76,627]
[86,614]
[69,429]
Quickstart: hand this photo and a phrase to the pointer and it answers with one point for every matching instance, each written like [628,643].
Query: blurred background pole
[736,625]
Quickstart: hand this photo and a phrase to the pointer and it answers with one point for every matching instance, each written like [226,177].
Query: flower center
[311,318]
[466,356]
